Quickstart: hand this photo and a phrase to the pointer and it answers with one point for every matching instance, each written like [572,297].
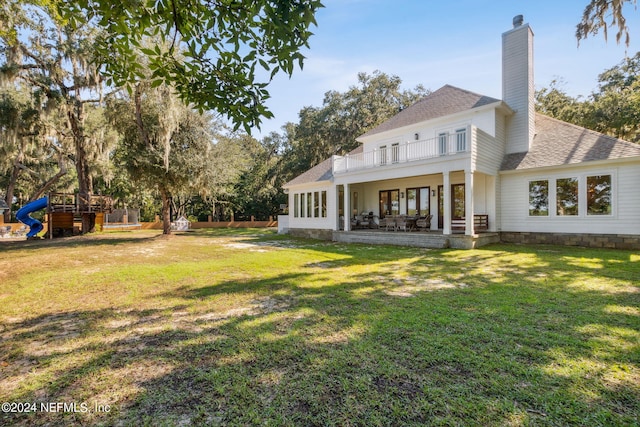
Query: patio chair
[424,223]
[390,223]
[401,223]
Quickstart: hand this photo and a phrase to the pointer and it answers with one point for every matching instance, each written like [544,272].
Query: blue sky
[435,42]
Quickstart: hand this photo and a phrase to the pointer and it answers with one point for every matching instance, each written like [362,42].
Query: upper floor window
[383,154]
[442,143]
[395,153]
[461,140]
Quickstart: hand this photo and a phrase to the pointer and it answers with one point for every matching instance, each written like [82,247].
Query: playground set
[63,210]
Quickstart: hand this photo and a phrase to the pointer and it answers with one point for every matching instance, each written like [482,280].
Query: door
[389,203]
[418,201]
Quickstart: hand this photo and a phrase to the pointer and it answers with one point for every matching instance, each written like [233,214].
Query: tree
[595,15]
[613,109]
[165,144]
[221,55]
[334,127]
[41,51]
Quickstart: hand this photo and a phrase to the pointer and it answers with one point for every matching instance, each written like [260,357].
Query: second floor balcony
[445,144]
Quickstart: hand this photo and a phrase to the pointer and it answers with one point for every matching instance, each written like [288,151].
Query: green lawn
[251,328]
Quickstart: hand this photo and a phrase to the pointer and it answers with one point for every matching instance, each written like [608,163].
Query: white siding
[517,87]
[319,223]
[625,217]
[489,153]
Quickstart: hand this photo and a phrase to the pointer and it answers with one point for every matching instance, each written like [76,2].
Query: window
[316,204]
[599,195]
[457,201]
[389,202]
[442,144]
[461,140]
[309,205]
[383,155]
[323,197]
[302,203]
[395,153]
[567,196]
[296,207]
[418,201]
[539,198]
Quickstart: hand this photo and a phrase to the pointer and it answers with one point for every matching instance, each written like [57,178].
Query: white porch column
[468,203]
[347,207]
[446,187]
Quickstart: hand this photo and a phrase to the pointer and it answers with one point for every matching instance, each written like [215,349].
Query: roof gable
[443,102]
[558,143]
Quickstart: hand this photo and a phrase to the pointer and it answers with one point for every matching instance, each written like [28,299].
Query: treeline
[613,108]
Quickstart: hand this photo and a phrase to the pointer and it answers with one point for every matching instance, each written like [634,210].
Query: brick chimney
[517,85]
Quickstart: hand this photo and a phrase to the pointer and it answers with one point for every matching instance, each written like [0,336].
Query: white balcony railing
[445,144]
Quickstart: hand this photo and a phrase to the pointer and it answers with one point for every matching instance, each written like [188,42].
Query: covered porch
[453,203]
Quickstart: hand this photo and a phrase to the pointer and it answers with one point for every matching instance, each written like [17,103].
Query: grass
[245,327]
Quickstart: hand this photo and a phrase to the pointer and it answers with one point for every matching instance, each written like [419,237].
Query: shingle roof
[443,102]
[321,172]
[559,143]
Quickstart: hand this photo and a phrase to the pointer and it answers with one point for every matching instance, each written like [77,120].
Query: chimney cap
[518,20]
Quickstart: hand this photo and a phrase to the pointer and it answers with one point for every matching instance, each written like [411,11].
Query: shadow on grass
[91,240]
[504,335]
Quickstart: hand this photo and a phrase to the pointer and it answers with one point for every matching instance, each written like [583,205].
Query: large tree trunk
[166,212]
[11,188]
[75,114]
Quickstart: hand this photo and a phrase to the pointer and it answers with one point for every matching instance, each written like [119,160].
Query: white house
[480,170]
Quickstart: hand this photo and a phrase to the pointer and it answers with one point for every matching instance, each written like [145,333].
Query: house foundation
[611,241]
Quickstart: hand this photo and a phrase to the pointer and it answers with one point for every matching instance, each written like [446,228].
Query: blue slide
[24,217]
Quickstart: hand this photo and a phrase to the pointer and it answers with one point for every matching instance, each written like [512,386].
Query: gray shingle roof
[443,102]
[559,143]
[321,172]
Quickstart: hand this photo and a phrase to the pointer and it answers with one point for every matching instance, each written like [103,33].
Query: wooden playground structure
[64,210]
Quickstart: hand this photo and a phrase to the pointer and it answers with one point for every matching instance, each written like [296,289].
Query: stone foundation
[612,241]
[311,233]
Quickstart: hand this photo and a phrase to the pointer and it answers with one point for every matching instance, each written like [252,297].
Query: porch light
[433,193]
[402,194]
[416,136]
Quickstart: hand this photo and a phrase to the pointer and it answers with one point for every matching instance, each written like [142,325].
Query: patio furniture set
[392,222]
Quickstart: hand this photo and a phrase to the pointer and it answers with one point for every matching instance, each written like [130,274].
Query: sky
[436,42]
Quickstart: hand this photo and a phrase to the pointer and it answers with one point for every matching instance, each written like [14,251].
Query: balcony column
[347,207]
[468,203]
[446,188]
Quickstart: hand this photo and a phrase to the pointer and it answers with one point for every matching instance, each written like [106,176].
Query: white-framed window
[461,140]
[395,152]
[539,197]
[567,196]
[323,198]
[586,194]
[599,195]
[296,207]
[316,204]
[442,143]
[383,154]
